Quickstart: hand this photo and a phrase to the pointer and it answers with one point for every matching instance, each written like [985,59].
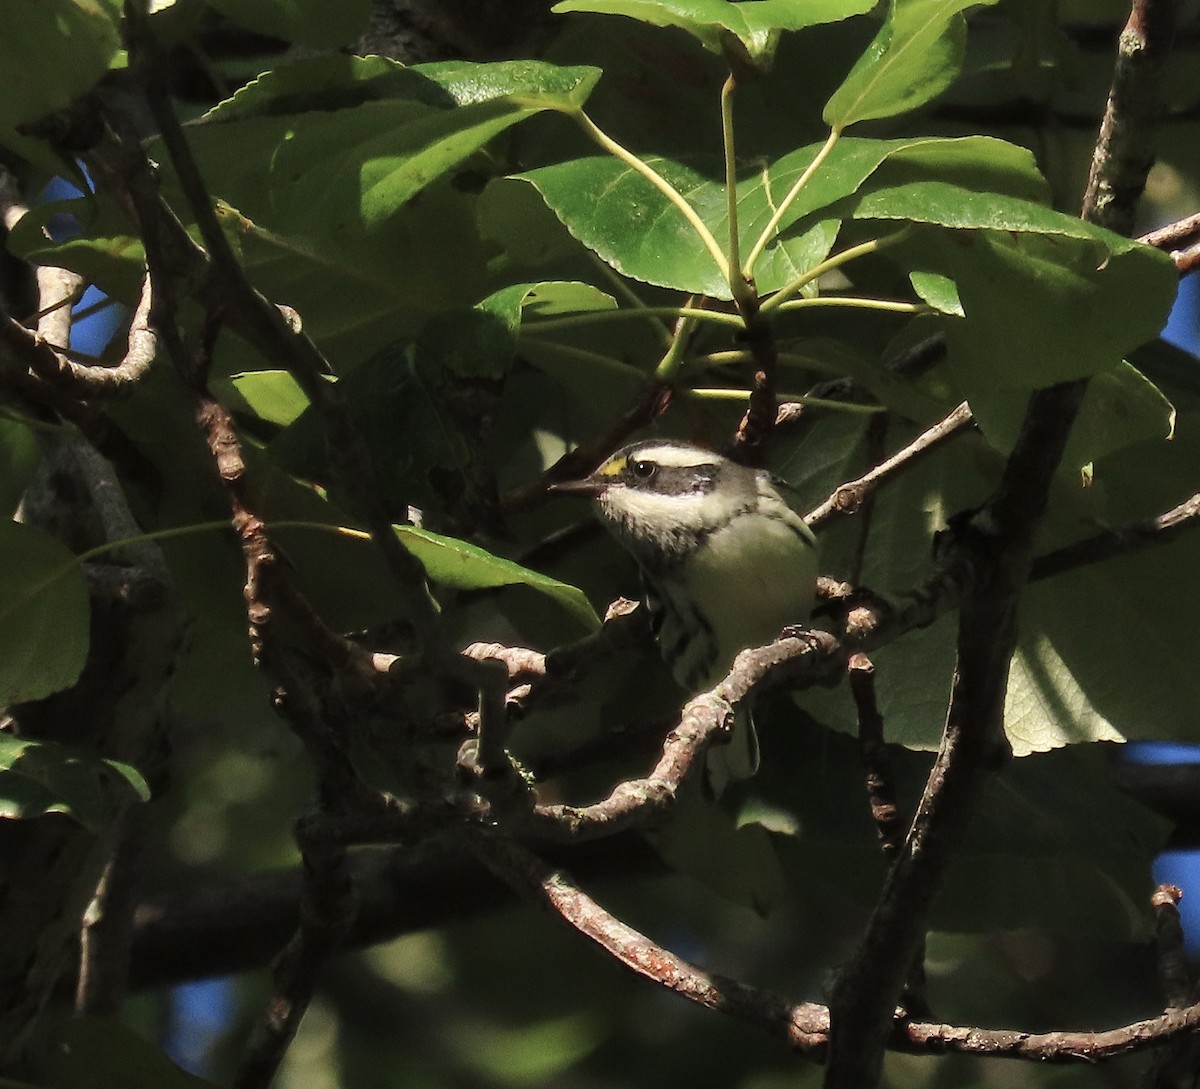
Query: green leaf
[468,567]
[1121,407]
[398,400]
[103,1053]
[50,52]
[317,24]
[756,26]
[915,56]
[1049,830]
[597,198]
[737,863]
[480,342]
[40,777]
[627,222]
[274,396]
[938,291]
[329,171]
[1042,309]
[947,203]
[44,614]
[551,298]
[336,83]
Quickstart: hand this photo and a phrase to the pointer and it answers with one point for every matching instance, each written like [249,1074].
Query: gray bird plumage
[726,561]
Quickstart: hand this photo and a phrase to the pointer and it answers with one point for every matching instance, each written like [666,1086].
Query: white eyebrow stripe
[674,456]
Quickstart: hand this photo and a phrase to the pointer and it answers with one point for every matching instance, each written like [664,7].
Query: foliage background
[1043,922]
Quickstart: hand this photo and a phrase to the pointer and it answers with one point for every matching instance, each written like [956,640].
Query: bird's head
[662,498]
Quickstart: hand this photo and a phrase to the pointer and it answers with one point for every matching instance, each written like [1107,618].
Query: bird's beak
[589,486]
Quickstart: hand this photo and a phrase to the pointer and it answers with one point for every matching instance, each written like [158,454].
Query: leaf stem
[660,183]
[768,232]
[739,283]
[893,306]
[794,359]
[726,394]
[873,245]
[608,362]
[668,366]
[717,317]
[154,535]
[213,527]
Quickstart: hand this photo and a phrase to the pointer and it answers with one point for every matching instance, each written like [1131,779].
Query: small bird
[727,563]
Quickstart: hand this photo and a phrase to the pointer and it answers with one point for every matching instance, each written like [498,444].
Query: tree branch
[803,1026]
[45,351]
[1120,541]
[848,498]
[705,719]
[327,908]
[997,552]
[1170,235]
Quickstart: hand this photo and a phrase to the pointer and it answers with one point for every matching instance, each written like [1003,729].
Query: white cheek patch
[634,507]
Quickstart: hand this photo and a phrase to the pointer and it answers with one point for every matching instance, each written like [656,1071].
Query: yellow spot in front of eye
[612,467]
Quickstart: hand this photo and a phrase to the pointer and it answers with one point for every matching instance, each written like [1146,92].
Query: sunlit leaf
[915,56]
[599,198]
[468,567]
[756,26]
[274,396]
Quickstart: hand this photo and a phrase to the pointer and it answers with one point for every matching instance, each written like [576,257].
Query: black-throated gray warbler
[726,561]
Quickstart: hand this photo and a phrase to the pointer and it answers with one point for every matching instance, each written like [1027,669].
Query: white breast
[754,578]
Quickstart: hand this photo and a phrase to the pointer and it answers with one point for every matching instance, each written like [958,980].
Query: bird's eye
[643,470]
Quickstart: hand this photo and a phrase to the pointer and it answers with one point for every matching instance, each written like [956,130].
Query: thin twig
[106,936]
[848,498]
[554,890]
[885,808]
[881,790]
[803,1026]
[1174,979]
[1120,541]
[1187,260]
[54,365]
[996,552]
[1172,234]
[705,720]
